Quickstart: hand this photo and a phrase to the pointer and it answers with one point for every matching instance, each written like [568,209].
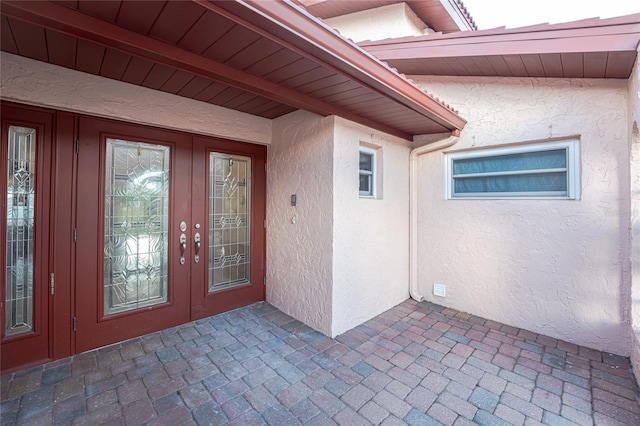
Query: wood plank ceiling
[592,48]
[226,54]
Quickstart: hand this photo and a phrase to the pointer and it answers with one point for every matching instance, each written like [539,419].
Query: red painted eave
[283,20]
[609,46]
[323,72]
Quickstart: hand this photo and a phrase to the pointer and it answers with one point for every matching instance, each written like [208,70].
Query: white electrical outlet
[439,290]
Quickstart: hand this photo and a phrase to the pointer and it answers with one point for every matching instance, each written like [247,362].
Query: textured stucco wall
[634,129]
[300,239]
[27,81]
[395,20]
[553,267]
[371,236]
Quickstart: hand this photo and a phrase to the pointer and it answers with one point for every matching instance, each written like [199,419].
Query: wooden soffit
[265,58]
[591,48]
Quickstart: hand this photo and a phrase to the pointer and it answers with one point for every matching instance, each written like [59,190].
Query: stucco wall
[395,20]
[371,236]
[299,239]
[634,125]
[36,83]
[553,267]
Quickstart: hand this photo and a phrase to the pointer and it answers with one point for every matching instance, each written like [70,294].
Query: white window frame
[572,170]
[372,173]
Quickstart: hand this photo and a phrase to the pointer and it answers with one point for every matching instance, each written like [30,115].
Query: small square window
[548,170]
[367,172]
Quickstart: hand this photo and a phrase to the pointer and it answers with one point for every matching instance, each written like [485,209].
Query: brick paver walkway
[417,364]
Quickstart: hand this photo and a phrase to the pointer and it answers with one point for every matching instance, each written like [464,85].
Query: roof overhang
[263,58]
[591,48]
[441,15]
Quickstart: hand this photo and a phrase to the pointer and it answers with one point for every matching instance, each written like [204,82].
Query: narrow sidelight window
[21,193]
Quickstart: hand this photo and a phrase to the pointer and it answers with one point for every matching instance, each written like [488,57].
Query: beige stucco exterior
[36,83]
[634,145]
[300,238]
[394,20]
[334,260]
[370,236]
[552,267]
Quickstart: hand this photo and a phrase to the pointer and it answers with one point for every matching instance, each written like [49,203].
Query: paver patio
[417,364]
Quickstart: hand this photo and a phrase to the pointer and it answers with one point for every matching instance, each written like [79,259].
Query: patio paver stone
[416,364]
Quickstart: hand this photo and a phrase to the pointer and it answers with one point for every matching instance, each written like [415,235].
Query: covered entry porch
[177,74]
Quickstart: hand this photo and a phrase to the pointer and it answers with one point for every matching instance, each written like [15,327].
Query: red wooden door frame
[63,223]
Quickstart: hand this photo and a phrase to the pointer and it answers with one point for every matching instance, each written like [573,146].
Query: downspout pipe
[413,207]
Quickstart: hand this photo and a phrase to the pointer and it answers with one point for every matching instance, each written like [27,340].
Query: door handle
[196,239]
[183,247]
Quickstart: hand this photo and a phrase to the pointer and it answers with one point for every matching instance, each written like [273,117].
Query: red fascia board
[288,24]
[423,50]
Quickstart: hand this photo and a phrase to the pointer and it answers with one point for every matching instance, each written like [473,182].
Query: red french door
[25,170]
[133,195]
[169,229]
[228,213]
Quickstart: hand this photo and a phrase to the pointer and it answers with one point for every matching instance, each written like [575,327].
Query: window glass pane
[525,183]
[365,184]
[21,181]
[366,161]
[136,225]
[554,159]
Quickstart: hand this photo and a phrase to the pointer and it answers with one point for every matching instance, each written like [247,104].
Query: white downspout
[413,207]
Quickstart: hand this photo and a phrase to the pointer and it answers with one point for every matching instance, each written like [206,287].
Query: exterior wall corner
[371,235]
[634,225]
[300,238]
[554,267]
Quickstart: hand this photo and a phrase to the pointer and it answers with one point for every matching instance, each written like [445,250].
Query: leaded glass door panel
[229,221]
[133,196]
[25,167]
[136,225]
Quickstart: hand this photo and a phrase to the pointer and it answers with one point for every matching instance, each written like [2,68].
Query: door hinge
[264,280]
[75,324]
[265,224]
[265,167]
[77,146]
[52,283]
[75,234]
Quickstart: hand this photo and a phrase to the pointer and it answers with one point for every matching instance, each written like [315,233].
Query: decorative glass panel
[229,221]
[136,225]
[21,169]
